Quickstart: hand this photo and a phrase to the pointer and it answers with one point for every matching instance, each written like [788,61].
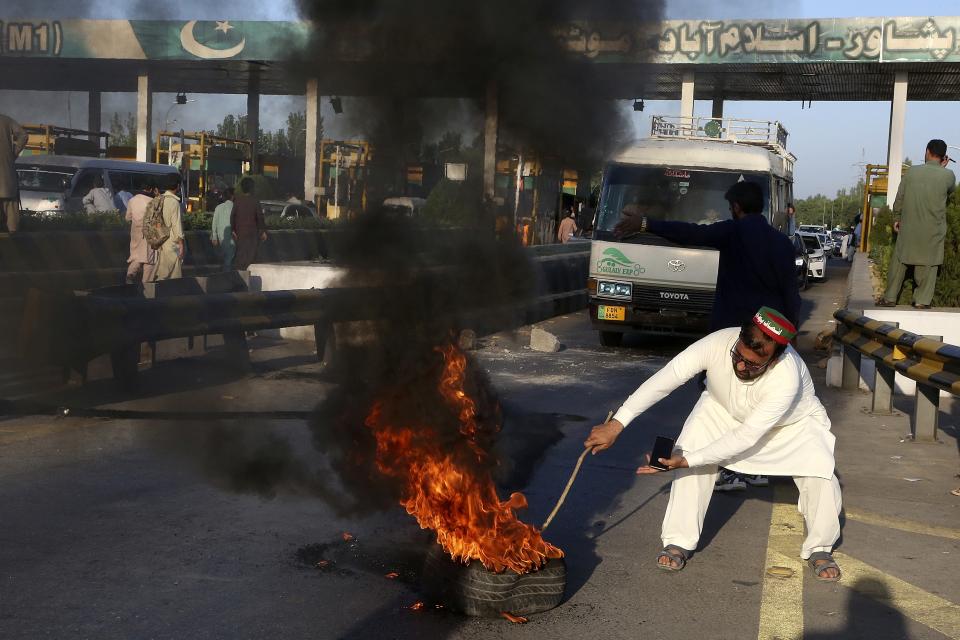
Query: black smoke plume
[421,288]
[426,284]
[551,102]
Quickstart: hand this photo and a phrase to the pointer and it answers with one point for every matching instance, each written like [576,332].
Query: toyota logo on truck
[673,295]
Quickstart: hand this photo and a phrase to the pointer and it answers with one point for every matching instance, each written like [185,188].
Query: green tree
[233,127]
[123,131]
[296,133]
[288,141]
[459,204]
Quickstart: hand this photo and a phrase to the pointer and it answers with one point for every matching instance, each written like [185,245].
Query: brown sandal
[676,554]
[818,569]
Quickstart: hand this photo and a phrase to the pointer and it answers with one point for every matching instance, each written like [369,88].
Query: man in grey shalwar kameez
[920,212]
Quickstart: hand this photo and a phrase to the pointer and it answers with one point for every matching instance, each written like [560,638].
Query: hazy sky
[829,139]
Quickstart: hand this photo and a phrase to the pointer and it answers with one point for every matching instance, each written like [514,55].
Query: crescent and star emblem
[191,45]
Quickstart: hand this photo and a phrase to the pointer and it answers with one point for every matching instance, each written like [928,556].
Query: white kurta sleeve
[778,397]
[684,366]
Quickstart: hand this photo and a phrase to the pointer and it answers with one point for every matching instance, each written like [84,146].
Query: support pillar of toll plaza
[850,371]
[898,119]
[490,140]
[93,113]
[883,387]
[686,99]
[253,117]
[926,407]
[883,390]
[717,111]
[144,117]
[310,154]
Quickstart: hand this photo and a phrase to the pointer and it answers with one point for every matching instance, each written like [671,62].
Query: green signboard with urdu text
[931,39]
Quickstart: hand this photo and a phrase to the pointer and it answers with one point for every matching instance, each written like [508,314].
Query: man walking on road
[221,233]
[568,227]
[247,225]
[142,262]
[920,217]
[170,254]
[12,141]
[758,415]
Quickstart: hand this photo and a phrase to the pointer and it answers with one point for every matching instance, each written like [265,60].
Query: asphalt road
[106,531]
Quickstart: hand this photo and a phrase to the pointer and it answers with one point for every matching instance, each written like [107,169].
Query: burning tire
[473,590]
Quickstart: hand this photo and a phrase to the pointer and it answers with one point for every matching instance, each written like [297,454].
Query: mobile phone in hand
[662,448]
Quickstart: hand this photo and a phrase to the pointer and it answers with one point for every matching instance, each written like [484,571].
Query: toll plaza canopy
[790,59]
[855,59]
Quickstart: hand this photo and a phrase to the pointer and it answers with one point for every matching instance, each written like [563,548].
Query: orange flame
[456,501]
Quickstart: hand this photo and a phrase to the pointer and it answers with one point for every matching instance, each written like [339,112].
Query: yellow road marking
[926,608]
[891,522]
[781,606]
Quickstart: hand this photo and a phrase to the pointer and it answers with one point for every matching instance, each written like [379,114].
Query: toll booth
[535,192]
[875,183]
[344,173]
[48,139]
[286,171]
[209,163]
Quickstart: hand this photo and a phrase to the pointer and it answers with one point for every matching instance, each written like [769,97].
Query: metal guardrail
[72,330]
[932,364]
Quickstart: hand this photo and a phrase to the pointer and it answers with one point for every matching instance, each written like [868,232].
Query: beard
[747,375]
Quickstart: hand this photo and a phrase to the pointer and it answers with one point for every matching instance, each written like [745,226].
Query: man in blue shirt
[757,267]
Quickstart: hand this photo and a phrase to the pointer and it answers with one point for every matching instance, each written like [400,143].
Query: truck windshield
[663,193]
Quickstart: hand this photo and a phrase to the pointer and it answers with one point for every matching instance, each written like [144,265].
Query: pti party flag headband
[772,323]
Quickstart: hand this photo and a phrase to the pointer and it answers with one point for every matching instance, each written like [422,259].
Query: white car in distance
[816,258]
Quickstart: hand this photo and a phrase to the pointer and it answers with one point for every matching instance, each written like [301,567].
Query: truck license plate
[606,312]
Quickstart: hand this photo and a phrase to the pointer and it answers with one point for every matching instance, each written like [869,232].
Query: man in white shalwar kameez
[758,415]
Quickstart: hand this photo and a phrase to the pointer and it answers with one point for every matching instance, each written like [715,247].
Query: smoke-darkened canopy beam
[818,82]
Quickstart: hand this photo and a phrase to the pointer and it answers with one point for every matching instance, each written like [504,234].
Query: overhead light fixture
[638,105]
[181,98]
[336,104]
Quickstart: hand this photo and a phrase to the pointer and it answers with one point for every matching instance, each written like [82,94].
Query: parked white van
[55,184]
[645,282]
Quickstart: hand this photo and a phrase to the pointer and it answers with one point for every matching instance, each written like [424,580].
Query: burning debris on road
[410,419]
[444,490]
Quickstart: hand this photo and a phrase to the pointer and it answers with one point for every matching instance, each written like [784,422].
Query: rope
[573,476]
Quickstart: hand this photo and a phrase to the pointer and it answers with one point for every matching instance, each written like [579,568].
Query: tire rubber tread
[473,590]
